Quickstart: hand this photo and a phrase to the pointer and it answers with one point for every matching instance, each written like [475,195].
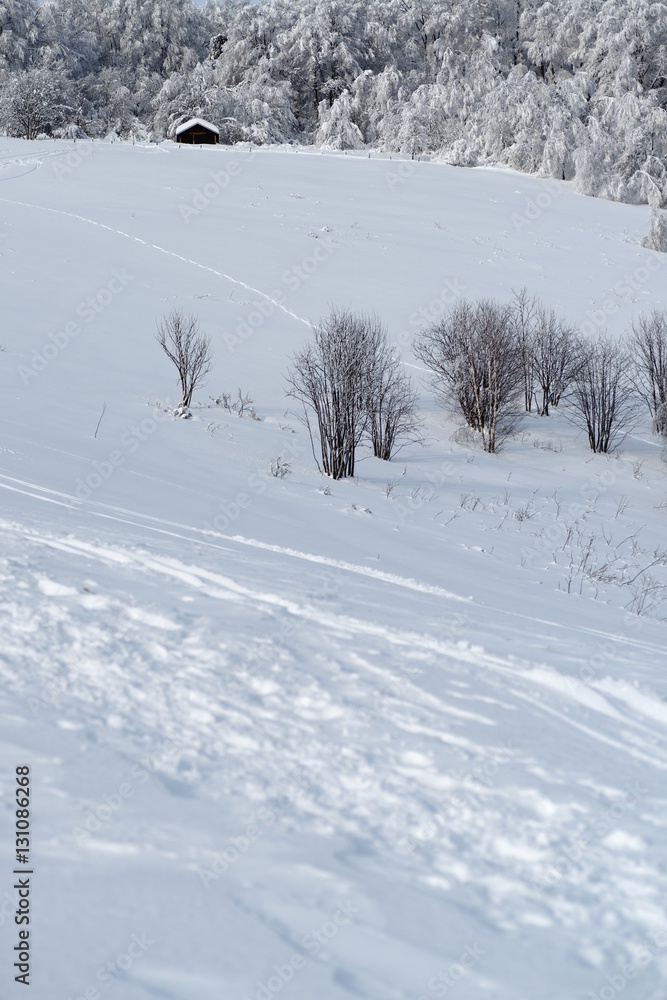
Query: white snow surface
[295,737]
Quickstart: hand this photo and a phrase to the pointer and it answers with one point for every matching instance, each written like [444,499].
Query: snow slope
[382,738]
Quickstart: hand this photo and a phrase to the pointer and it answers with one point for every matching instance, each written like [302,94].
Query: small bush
[392,401]
[280,468]
[602,393]
[187,349]
[554,357]
[477,364]
[648,345]
[351,385]
[241,405]
[548,348]
[328,378]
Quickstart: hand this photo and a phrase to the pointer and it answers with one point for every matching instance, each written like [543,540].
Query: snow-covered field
[395,738]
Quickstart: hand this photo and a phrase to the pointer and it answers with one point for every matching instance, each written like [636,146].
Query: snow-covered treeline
[568,89]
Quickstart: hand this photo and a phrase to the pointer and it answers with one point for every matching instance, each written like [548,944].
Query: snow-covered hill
[395,738]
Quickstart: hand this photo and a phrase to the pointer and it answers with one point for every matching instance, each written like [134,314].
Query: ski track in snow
[67,500]
[331,622]
[149,522]
[288,724]
[168,253]
[32,162]
[162,526]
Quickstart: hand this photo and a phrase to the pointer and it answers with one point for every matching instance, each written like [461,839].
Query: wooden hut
[197,131]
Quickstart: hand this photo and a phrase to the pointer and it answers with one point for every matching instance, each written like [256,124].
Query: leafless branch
[187,349]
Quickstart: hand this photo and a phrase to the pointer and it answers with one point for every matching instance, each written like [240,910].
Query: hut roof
[196,121]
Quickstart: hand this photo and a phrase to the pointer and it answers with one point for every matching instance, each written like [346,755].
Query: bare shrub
[468,501]
[548,446]
[330,378]
[648,345]
[602,393]
[476,361]
[555,357]
[595,561]
[187,348]
[392,400]
[350,379]
[525,513]
[548,350]
[279,468]
[523,315]
[239,405]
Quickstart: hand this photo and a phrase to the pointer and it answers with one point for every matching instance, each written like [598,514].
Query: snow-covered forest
[574,89]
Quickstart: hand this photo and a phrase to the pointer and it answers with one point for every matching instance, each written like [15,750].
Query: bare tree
[602,393]
[330,378]
[648,345]
[548,349]
[523,316]
[392,400]
[476,360]
[187,348]
[555,357]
